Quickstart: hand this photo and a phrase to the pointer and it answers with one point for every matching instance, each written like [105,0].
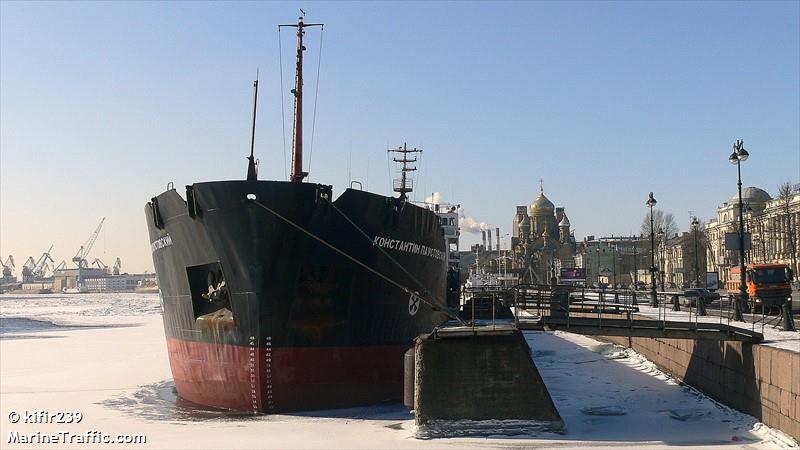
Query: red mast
[297,139]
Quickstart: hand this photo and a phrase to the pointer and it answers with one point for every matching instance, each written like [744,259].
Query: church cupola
[563,229]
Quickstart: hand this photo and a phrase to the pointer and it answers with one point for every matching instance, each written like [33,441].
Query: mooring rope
[356,261]
[386,254]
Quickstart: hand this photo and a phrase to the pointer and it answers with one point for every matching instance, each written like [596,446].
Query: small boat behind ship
[146,287]
[79,289]
[278,297]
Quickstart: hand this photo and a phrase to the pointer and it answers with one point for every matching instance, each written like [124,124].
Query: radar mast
[404,185]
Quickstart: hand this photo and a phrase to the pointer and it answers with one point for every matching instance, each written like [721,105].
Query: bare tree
[711,257]
[785,196]
[661,221]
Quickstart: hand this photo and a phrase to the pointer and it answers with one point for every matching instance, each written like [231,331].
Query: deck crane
[117,267]
[41,265]
[8,267]
[80,258]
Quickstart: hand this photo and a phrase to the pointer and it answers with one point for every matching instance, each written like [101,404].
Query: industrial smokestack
[489,232]
[497,234]
[483,235]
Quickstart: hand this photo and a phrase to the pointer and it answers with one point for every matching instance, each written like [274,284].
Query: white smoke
[467,224]
[471,225]
[434,199]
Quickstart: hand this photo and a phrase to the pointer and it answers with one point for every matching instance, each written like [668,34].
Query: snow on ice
[115,371]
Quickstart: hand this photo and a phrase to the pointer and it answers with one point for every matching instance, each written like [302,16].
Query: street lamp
[597,250]
[614,264]
[635,269]
[695,226]
[662,244]
[635,272]
[740,154]
[651,201]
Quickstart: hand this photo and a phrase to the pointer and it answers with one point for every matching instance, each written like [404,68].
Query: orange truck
[767,284]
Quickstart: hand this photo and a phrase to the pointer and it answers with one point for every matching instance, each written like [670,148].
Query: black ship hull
[303,327]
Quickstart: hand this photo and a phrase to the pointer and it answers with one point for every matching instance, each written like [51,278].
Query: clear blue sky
[102,104]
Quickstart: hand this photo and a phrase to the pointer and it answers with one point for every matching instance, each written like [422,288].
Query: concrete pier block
[482,381]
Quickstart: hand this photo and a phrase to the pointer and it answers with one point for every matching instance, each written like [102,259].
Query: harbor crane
[8,267]
[80,258]
[109,270]
[61,265]
[27,270]
[100,265]
[42,266]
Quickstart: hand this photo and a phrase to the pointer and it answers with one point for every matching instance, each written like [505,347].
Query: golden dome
[542,206]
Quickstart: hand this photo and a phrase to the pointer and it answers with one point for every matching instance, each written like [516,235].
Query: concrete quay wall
[756,379]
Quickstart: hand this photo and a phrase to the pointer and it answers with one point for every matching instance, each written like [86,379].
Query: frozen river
[104,355]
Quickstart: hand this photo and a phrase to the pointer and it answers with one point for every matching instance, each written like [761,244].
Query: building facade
[70,278]
[682,260]
[614,261]
[770,222]
[114,283]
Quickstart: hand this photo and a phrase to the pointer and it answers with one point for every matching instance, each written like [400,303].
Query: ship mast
[403,185]
[297,139]
[252,173]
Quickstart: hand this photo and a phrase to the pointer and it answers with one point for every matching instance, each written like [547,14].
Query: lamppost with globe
[695,228]
[738,156]
[662,246]
[597,260]
[651,201]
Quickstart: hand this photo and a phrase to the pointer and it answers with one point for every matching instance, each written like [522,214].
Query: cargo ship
[278,298]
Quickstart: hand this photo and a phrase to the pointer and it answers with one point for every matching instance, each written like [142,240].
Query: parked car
[691,295]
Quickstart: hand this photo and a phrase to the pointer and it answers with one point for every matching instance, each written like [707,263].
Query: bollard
[559,305]
[676,306]
[738,315]
[701,306]
[788,320]
[409,369]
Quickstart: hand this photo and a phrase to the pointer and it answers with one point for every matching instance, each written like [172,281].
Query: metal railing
[538,301]
[602,312]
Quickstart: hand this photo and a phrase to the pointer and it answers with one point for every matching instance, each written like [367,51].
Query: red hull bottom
[285,379]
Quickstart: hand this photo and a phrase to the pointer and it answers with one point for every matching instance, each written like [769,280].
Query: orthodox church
[541,240]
